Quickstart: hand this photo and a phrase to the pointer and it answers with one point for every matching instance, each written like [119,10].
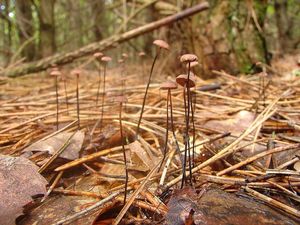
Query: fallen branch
[64,58]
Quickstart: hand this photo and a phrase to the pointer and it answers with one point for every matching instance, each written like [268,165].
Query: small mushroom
[104,60]
[98,56]
[56,73]
[188,58]
[121,100]
[77,73]
[182,80]
[161,45]
[168,85]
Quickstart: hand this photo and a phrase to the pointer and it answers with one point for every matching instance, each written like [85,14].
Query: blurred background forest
[232,35]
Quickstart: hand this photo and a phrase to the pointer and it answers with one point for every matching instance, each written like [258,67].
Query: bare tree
[25,28]
[47,28]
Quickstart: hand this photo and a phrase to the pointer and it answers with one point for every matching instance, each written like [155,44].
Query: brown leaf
[52,144]
[19,181]
[215,206]
[235,125]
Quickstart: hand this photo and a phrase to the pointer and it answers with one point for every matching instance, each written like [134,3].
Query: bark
[282,23]
[47,28]
[25,28]
[97,8]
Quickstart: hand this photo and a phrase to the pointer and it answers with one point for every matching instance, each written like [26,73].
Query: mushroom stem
[124,153]
[189,105]
[99,84]
[77,96]
[103,95]
[185,147]
[66,95]
[57,109]
[173,127]
[193,109]
[146,92]
[167,132]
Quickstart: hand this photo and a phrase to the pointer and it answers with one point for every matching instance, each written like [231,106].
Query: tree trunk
[25,28]
[97,18]
[47,28]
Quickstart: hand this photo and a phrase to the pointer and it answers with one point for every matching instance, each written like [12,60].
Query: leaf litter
[235,171]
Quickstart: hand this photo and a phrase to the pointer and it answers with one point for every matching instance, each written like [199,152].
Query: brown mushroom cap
[120,60]
[168,85]
[181,80]
[141,54]
[55,72]
[98,55]
[161,44]
[188,58]
[121,99]
[76,72]
[125,55]
[192,64]
[105,59]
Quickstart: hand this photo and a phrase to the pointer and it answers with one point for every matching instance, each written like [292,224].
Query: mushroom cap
[121,99]
[182,79]
[121,61]
[192,64]
[188,58]
[105,59]
[125,55]
[55,72]
[98,55]
[141,54]
[76,72]
[168,85]
[262,74]
[161,44]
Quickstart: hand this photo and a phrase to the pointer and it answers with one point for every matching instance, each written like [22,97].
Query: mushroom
[56,73]
[188,59]
[98,56]
[142,61]
[104,60]
[160,45]
[77,73]
[64,79]
[168,85]
[121,100]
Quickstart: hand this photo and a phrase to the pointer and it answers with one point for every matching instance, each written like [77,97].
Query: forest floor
[246,161]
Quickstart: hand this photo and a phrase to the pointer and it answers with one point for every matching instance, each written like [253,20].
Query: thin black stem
[185,146]
[103,96]
[173,128]
[188,120]
[56,90]
[193,124]
[124,153]
[146,92]
[167,132]
[99,84]
[66,94]
[77,96]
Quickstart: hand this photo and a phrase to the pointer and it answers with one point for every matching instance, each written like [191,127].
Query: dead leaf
[215,206]
[19,181]
[235,125]
[52,144]
[139,158]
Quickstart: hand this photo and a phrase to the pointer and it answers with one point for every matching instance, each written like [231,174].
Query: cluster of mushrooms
[187,81]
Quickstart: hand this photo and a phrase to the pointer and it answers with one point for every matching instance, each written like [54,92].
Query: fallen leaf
[19,181]
[52,144]
[235,125]
[140,159]
[215,206]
